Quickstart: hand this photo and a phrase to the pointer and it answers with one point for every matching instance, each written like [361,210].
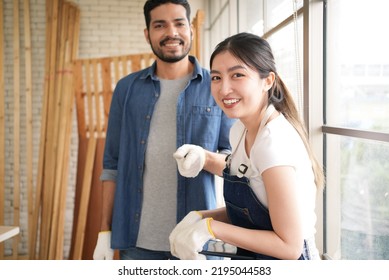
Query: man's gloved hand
[103,249]
[189,241]
[190,160]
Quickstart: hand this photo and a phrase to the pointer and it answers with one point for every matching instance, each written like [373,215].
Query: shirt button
[208,109]
[148,117]
[142,142]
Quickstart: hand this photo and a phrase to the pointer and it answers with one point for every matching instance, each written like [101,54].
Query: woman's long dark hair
[257,54]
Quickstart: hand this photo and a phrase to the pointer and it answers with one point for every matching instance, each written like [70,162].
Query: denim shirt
[199,121]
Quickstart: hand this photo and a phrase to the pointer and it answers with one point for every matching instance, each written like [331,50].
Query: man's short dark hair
[152,4]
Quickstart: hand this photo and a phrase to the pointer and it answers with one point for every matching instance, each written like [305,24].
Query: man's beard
[170,58]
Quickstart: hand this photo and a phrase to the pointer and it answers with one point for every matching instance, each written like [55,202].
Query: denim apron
[244,208]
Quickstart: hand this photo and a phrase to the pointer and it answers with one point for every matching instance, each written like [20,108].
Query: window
[284,31]
[357,130]
[342,88]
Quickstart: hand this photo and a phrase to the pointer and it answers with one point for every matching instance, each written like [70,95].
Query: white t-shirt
[278,144]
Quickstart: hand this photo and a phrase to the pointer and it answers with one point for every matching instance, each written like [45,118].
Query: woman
[271,177]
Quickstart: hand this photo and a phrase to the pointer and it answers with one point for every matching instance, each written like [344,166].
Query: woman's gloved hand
[189,241]
[191,218]
[103,249]
[190,160]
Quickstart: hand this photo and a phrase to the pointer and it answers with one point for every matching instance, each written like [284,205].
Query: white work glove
[189,241]
[191,218]
[103,249]
[190,160]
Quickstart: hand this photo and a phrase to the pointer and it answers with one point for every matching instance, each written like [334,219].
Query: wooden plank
[90,126]
[124,62]
[50,152]
[116,68]
[136,64]
[150,58]
[42,145]
[67,91]
[84,200]
[29,139]
[16,125]
[78,88]
[76,34]
[2,126]
[197,22]
[59,127]
[107,88]
[66,124]
[96,95]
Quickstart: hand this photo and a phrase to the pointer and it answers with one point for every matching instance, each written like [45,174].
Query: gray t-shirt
[159,208]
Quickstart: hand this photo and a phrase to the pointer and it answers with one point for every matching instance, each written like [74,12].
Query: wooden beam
[42,145]
[16,125]
[78,88]
[84,200]
[50,149]
[29,139]
[66,123]
[59,130]
[2,126]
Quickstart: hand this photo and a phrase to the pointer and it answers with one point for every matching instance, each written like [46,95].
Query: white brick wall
[108,28]
[111,27]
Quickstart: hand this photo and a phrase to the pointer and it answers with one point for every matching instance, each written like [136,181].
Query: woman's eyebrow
[233,68]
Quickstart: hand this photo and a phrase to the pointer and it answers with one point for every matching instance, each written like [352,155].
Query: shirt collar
[197,71]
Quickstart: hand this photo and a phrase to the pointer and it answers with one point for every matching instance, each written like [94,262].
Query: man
[153,112]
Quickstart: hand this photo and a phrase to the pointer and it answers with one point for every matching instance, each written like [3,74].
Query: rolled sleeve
[108,175]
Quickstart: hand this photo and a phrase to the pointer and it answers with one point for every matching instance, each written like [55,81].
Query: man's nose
[172,31]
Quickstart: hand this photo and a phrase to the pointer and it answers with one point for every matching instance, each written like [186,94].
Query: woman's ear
[269,81]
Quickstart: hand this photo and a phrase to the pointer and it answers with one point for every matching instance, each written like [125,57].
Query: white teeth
[230,101]
[172,45]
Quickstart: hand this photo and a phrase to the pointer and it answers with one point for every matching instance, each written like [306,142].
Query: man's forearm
[108,194]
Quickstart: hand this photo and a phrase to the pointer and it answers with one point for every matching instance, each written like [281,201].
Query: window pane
[290,62]
[358,64]
[278,10]
[220,26]
[358,198]
[251,16]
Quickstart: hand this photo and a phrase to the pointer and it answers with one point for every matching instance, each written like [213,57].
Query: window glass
[358,64]
[251,16]
[287,48]
[219,26]
[358,204]
[278,10]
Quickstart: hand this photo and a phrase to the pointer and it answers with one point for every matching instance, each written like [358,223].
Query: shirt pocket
[206,126]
